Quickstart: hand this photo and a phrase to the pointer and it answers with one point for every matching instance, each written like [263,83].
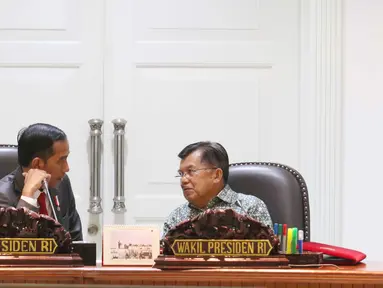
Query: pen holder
[306,258]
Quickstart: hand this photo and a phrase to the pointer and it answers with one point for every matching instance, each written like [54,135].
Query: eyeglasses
[192,172]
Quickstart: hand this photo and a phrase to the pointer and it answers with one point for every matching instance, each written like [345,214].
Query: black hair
[212,153]
[37,141]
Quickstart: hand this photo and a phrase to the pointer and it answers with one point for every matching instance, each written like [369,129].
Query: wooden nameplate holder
[31,239]
[205,254]
[59,260]
[180,263]
[225,239]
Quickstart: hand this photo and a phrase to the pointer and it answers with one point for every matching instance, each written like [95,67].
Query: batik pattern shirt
[226,199]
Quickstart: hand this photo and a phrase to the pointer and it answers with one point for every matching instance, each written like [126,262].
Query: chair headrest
[8,159]
[282,188]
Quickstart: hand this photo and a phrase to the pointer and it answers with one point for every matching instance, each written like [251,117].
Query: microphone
[48,195]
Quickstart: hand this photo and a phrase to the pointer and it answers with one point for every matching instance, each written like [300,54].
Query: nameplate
[26,246]
[221,247]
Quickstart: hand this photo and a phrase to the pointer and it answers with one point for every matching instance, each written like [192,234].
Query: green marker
[294,239]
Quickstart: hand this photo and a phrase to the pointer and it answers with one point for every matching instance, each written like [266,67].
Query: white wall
[363,118]
[320,115]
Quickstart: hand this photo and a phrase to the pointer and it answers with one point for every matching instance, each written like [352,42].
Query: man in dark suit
[42,155]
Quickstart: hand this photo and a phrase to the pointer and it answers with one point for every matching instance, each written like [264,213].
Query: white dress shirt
[33,201]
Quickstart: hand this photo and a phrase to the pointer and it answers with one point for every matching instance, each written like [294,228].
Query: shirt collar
[226,195]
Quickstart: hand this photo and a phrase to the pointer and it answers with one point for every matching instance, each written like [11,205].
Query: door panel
[180,72]
[51,72]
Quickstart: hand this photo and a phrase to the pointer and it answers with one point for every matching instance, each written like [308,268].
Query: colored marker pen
[276,229]
[294,240]
[300,241]
[280,236]
[289,238]
[284,238]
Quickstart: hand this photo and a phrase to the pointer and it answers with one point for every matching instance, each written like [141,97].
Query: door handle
[119,142]
[95,163]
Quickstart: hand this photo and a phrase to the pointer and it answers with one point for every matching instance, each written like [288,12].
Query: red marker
[284,238]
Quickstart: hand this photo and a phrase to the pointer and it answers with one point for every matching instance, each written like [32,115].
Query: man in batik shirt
[203,173]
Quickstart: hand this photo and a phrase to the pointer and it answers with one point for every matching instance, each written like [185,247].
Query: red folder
[335,254]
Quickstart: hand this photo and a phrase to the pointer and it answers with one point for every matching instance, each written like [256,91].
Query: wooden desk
[362,275]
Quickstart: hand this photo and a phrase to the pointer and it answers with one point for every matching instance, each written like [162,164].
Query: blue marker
[300,241]
[276,229]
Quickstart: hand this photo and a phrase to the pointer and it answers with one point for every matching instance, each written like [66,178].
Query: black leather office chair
[8,159]
[282,188]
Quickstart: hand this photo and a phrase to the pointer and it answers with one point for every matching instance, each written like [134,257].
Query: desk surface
[355,276]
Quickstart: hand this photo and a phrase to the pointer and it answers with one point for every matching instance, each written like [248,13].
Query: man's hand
[33,181]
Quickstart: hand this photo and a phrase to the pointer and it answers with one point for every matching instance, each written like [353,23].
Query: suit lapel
[18,181]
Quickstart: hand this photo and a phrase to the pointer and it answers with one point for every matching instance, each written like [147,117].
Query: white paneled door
[51,71]
[181,71]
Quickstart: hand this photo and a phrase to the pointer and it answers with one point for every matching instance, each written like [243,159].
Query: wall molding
[218,65]
[40,54]
[321,115]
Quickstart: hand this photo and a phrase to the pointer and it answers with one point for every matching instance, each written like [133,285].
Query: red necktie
[42,203]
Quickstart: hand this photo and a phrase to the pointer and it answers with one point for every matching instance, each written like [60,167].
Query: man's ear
[218,175]
[37,163]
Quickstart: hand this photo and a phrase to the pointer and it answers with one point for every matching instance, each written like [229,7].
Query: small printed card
[125,245]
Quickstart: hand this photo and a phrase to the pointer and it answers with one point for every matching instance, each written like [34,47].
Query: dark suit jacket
[10,193]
